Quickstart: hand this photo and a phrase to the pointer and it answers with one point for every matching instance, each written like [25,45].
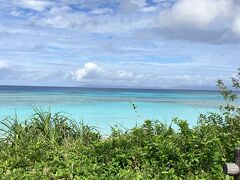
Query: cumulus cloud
[91,72]
[212,20]
[197,13]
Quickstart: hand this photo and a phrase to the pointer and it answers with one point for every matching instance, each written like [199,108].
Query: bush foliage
[52,146]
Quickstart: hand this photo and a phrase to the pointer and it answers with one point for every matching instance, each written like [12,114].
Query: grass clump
[52,146]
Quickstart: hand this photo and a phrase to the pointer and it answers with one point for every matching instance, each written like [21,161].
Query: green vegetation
[52,146]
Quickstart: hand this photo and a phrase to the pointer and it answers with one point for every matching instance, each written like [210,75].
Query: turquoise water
[103,108]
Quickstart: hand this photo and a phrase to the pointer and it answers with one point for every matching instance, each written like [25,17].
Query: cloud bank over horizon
[147,43]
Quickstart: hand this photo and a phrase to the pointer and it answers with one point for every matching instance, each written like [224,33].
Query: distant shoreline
[109,88]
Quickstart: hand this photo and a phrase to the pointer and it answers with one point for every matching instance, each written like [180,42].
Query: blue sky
[132,43]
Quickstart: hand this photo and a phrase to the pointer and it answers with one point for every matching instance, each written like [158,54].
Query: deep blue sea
[103,108]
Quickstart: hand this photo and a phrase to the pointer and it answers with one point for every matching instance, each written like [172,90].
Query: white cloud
[139,3]
[149,9]
[105,20]
[38,5]
[100,11]
[4,65]
[205,21]
[236,26]
[57,22]
[92,72]
[64,17]
[199,13]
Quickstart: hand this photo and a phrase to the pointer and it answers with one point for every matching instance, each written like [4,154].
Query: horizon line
[115,87]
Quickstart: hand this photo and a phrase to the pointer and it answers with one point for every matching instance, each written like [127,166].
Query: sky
[119,43]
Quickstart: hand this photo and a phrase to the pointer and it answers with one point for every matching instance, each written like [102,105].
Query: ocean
[103,107]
